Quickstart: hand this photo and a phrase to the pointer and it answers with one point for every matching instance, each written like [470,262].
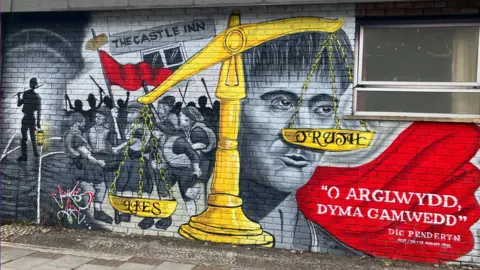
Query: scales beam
[237,39]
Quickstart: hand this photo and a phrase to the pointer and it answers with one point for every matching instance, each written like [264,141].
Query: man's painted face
[157,133]
[132,115]
[81,124]
[100,119]
[268,108]
[163,109]
[183,120]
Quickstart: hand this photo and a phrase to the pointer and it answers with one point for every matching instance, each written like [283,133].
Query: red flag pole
[107,83]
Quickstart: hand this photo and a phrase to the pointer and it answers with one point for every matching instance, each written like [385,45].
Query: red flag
[130,76]
[427,158]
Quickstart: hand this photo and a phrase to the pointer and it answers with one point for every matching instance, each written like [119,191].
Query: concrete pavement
[112,250]
[19,257]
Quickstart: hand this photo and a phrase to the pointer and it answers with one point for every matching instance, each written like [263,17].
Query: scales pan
[332,140]
[142,207]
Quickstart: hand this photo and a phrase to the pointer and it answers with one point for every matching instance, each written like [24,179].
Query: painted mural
[216,130]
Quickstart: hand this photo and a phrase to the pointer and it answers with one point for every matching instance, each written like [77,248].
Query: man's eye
[324,110]
[281,105]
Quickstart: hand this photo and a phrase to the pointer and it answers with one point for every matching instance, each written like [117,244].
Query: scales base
[226,224]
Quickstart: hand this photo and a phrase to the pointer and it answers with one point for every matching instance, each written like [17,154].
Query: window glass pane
[154,59]
[419,102]
[173,56]
[420,54]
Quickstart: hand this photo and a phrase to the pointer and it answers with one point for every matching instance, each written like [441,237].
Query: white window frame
[360,85]
[162,49]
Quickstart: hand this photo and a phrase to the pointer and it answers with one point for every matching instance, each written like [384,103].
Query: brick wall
[418,8]
[313,194]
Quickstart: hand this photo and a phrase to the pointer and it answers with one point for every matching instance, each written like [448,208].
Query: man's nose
[304,118]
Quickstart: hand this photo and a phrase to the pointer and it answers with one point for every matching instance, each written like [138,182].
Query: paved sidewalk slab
[50,267]
[46,255]
[69,262]
[103,262]
[211,268]
[94,267]
[143,260]
[108,251]
[10,254]
[136,266]
[64,251]
[32,257]
[26,263]
[174,266]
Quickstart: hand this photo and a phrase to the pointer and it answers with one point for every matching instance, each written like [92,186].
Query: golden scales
[224,221]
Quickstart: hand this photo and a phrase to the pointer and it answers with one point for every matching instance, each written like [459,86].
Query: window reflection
[420,54]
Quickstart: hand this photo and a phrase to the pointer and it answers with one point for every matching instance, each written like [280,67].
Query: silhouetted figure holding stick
[92,113]
[78,105]
[177,107]
[122,115]
[31,103]
[108,102]
[207,112]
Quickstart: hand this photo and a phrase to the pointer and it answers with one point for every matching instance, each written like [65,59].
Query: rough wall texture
[419,8]
[92,5]
[389,189]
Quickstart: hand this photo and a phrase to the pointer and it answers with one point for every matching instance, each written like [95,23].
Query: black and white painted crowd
[98,137]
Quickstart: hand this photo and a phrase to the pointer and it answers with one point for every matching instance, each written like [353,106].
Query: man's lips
[295,160]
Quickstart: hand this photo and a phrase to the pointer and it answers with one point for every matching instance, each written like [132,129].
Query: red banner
[416,201]
[130,76]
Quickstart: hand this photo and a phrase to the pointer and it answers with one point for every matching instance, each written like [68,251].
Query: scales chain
[157,155]
[332,81]
[141,159]
[125,155]
[363,123]
[313,68]
[328,43]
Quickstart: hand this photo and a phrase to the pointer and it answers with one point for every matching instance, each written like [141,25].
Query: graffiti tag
[72,203]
